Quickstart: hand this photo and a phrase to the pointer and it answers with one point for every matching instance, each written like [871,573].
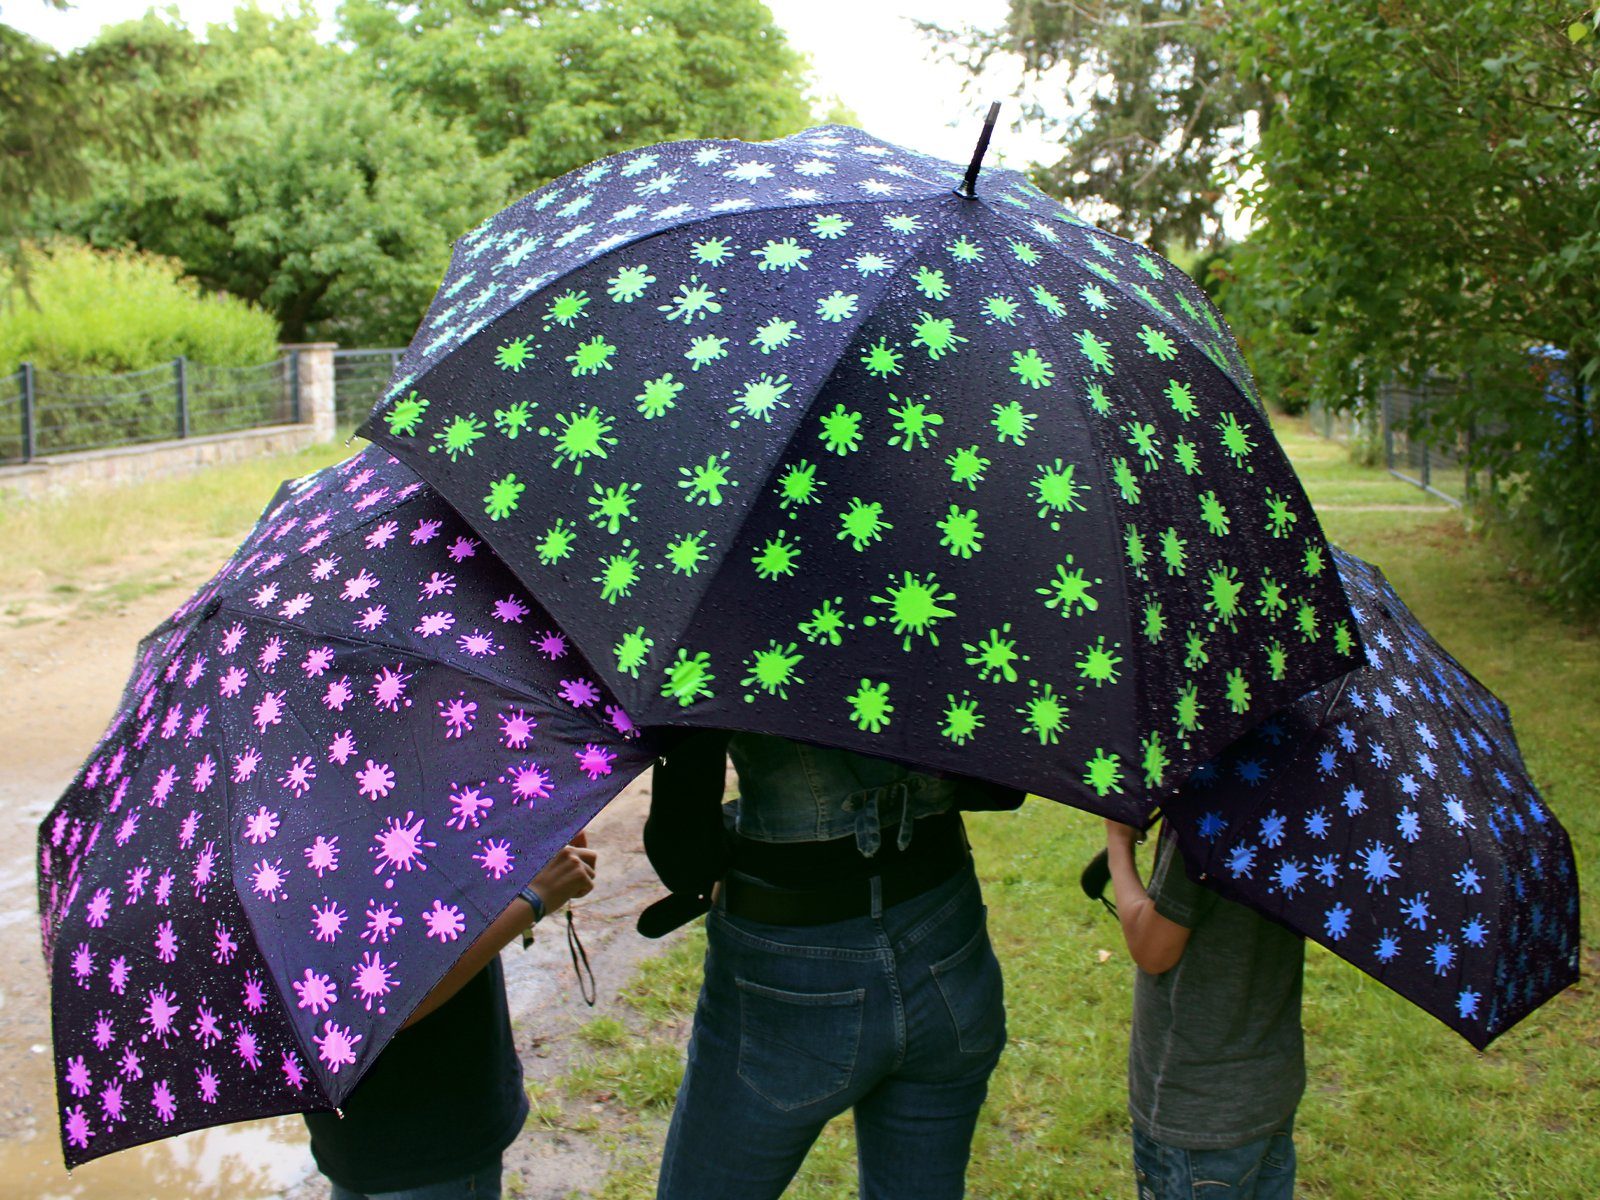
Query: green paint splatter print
[762,398]
[628,284]
[688,552]
[777,558]
[914,425]
[936,335]
[995,655]
[827,623]
[584,434]
[591,356]
[1012,423]
[632,651]
[967,466]
[1031,369]
[613,505]
[504,494]
[1069,590]
[870,708]
[881,359]
[961,535]
[862,523]
[618,575]
[841,430]
[703,484]
[798,485]
[962,720]
[556,543]
[514,353]
[915,605]
[1098,663]
[1044,715]
[406,415]
[688,679]
[1103,773]
[659,396]
[772,669]
[514,419]
[776,334]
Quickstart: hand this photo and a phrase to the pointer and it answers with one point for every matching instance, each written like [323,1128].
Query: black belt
[938,851]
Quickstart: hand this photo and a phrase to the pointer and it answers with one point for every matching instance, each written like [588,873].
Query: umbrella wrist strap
[580,963]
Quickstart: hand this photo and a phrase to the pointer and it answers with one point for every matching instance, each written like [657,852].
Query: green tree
[61,113]
[326,199]
[552,84]
[1156,118]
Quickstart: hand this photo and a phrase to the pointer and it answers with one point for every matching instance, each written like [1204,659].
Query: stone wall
[114,465]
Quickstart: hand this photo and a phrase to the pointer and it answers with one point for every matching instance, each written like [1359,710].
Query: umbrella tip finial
[968,186]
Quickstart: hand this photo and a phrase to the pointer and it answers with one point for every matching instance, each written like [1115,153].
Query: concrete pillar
[317,404]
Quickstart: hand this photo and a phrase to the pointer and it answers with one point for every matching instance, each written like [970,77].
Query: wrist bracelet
[534,902]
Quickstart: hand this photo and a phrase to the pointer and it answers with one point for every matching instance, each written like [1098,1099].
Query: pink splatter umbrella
[332,767]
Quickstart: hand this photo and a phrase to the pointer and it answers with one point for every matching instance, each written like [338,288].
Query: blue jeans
[899,1015]
[483,1184]
[1258,1170]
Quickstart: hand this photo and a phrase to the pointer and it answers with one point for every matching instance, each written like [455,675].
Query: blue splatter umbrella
[332,768]
[1389,817]
[817,437]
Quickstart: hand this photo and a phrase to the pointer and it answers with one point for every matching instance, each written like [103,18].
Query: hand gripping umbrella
[1389,817]
[332,768]
[799,437]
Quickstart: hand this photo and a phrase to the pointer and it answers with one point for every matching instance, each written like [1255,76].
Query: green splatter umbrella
[801,437]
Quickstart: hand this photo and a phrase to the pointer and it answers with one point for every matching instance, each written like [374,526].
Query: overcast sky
[867,52]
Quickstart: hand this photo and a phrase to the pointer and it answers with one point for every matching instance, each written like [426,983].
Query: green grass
[1398,1107]
[141,531]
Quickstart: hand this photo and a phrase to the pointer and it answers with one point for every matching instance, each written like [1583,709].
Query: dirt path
[64,654]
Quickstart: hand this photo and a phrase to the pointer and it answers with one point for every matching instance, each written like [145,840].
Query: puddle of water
[252,1161]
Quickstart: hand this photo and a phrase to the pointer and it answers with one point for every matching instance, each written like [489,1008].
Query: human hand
[567,876]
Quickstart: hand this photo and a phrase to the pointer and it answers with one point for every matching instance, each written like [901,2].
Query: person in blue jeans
[1216,1061]
[848,966]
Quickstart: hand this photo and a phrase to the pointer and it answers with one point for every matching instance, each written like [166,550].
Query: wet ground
[60,674]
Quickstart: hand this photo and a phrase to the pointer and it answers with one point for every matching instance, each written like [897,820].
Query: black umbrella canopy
[1389,817]
[798,437]
[333,767]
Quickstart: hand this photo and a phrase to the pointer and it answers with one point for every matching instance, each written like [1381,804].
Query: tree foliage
[1155,115]
[552,84]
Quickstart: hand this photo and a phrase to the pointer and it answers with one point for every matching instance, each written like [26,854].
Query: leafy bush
[100,312]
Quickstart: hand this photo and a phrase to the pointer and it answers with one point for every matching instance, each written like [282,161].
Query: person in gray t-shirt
[1216,1063]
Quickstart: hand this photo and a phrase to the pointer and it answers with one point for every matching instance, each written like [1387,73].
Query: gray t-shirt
[1217,1058]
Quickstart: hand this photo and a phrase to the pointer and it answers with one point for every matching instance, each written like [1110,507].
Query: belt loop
[907,828]
[869,836]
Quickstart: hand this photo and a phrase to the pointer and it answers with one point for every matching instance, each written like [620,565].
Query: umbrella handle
[968,186]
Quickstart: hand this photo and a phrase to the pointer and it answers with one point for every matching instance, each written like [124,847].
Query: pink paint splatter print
[552,643]
[327,920]
[164,1102]
[444,921]
[78,1079]
[467,806]
[261,826]
[270,656]
[317,661]
[206,1084]
[435,623]
[267,879]
[265,595]
[300,775]
[440,583]
[374,979]
[389,689]
[197,669]
[342,748]
[172,722]
[187,828]
[111,1107]
[197,723]
[339,693]
[82,964]
[383,534]
[382,921]
[136,882]
[462,549]
[163,892]
[76,1126]
[117,975]
[268,711]
[205,1028]
[160,1014]
[459,715]
[103,1032]
[166,942]
[205,865]
[372,618]
[375,780]
[495,857]
[516,727]
[359,586]
[336,1046]
[398,846]
[529,782]
[161,789]
[478,644]
[98,908]
[246,1046]
[205,774]
[511,610]
[293,1073]
[295,606]
[128,827]
[255,994]
[245,763]
[323,854]
[232,681]
[580,693]
[223,947]
[427,529]
[130,1064]
[322,570]
[315,992]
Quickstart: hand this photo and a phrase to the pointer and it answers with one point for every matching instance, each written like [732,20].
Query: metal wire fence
[58,412]
[359,377]
[1435,463]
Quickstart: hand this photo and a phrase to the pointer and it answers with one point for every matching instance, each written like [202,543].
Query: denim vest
[793,792]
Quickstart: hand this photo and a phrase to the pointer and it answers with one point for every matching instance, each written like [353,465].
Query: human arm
[1155,942]
[565,877]
[684,836]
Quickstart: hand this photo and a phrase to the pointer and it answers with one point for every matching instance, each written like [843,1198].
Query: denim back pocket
[798,1048]
[969,980]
